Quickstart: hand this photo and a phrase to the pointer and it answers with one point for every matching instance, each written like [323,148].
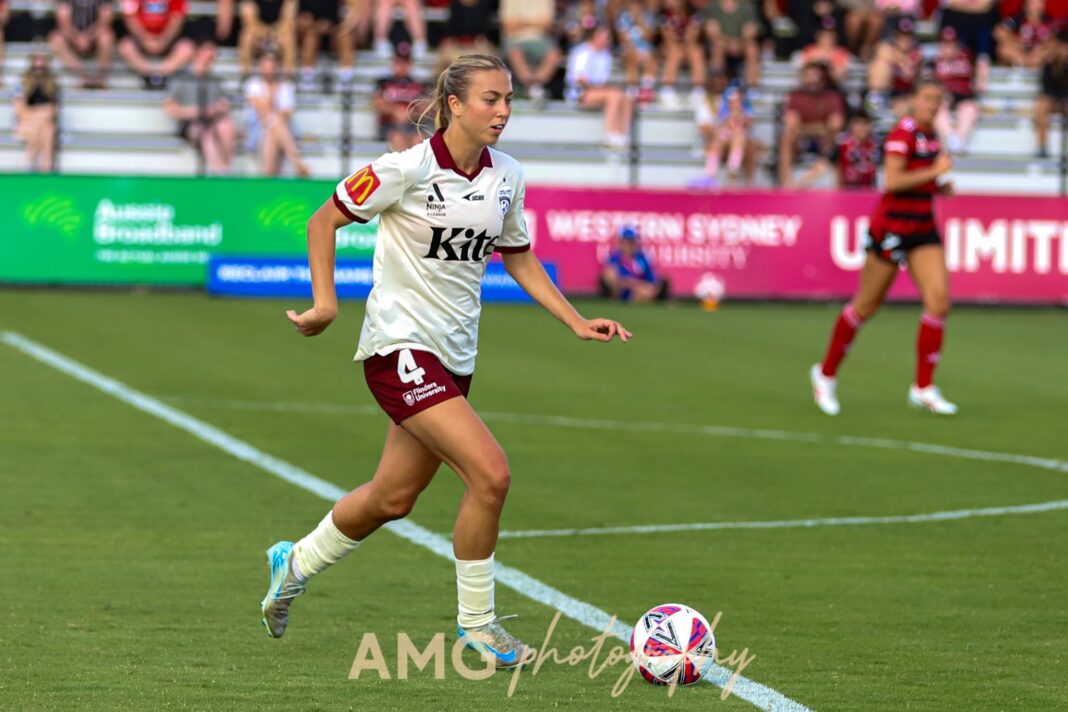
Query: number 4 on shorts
[407,370]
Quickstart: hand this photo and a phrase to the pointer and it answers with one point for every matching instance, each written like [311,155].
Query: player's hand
[601,330]
[312,322]
[947,189]
[943,164]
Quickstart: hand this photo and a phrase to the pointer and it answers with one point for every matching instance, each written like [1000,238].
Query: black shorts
[321,9]
[896,248]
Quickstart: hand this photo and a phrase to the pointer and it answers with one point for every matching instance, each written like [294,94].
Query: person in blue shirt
[629,274]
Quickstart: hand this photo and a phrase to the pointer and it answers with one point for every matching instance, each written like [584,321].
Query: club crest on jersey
[435,202]
[409,399]
[504,198]
[361,184]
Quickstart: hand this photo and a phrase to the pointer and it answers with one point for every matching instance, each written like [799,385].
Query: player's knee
[493,480]
[396,505]
[937,303]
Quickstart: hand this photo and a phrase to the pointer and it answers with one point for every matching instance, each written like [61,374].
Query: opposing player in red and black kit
[955,69]
[902,232]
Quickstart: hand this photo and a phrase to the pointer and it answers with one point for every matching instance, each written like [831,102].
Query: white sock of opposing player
[474,589]
[323,547]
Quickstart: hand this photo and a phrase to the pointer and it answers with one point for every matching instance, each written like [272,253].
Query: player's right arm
[322,242]
[898,180]
[899,145]
[366,193]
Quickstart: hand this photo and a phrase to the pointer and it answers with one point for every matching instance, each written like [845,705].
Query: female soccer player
[902,233]
[445,206]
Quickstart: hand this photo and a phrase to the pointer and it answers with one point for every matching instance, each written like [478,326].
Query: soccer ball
[673,644]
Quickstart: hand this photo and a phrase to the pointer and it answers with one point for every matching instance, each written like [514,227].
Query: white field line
[584,613]
[723,431]
[717,431]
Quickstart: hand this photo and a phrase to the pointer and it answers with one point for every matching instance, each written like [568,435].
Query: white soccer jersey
[438,227]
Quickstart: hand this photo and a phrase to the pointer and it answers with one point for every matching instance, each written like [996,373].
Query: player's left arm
[528,272]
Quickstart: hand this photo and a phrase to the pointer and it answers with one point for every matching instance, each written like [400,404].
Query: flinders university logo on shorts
[422,393]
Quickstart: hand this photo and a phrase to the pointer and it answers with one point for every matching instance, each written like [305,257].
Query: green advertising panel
[119,230]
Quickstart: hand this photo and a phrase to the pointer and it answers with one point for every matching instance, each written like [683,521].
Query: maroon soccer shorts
[409,381]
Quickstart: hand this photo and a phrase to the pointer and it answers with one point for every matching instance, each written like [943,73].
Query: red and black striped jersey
[909,212]
[858,162]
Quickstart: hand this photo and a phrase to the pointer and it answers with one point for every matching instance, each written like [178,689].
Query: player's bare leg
[875,279]
[404,470]
[454,432]
[927,265]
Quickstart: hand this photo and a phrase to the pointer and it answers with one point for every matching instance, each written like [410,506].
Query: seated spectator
[35,113]
[894,11]
[153,46]
[1053,93]
[635,28]
[863,27]
[807,16]
[581,18]
[271,103]
[589,69]
[414,23]
[199,104]
[334,19]
[4,12]
[727,133]
[813,114]
[268,25]
[530,44]
[629,275]
[973,22]
[858,154]
[732,27]
[83,29]
[681,41]
[897,65]
[953,67]
[1025,39]
[467,31]
[397,101]
[826,51]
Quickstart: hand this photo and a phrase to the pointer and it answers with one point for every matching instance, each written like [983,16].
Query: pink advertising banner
[799,245]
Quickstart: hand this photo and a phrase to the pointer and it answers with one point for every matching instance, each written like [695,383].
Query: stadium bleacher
[123,130]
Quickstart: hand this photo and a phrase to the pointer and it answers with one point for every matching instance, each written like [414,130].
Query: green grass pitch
[133,553]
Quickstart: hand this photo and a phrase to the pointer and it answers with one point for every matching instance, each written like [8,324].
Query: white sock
[323,547]
[474,589]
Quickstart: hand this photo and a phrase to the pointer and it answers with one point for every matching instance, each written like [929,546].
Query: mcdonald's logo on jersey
[361,184]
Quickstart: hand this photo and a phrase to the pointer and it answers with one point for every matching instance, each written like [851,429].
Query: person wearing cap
[897,65]
[397,100]
[825,50]
[1053,92]
[954,68]
[628,273]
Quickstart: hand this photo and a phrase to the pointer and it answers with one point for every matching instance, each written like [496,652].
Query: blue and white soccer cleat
[284,588]
[494,641]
